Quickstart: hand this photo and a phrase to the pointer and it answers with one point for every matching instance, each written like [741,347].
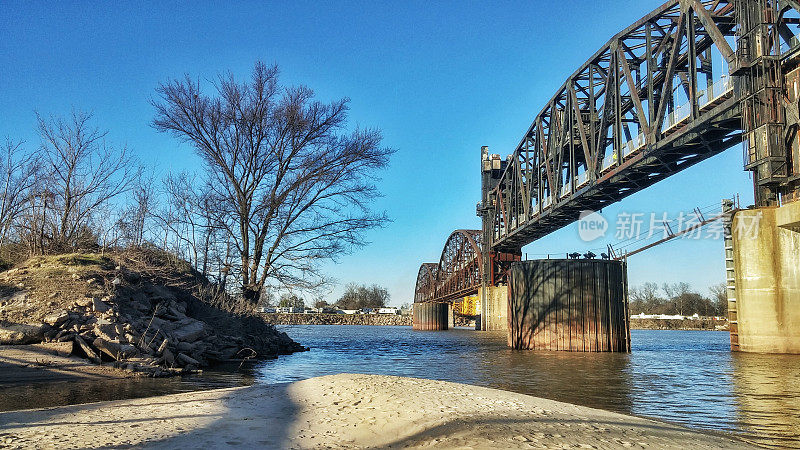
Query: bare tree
[133,223]
[18,177]
[191,215]
[644,298]
[719,295]
[82,173]
[357,296]
[291,186]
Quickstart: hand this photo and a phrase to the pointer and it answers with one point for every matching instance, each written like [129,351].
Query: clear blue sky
[439,78]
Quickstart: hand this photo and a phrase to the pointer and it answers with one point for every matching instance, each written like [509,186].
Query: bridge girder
[657,98]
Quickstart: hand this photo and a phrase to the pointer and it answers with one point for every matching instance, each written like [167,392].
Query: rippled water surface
[688,377]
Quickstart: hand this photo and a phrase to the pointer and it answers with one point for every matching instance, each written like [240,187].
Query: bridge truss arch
[684,83]
[460,266]
[460,269]
[425,290]
[458,272]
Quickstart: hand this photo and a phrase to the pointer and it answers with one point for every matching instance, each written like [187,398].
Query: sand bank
[344,411]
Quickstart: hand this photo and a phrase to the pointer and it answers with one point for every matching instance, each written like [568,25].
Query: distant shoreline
[679,324]
[337,319]
[399,320]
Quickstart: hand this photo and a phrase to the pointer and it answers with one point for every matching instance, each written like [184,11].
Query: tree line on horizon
[283,185]
[677,299]
[355,296]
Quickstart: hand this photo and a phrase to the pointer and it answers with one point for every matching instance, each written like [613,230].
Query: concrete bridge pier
[493,313]
[765,310]
[432,316]
[569,305]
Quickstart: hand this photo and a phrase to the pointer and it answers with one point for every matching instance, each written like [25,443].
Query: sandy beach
[343,411]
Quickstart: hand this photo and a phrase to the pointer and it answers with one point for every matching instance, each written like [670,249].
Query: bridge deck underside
[698,140]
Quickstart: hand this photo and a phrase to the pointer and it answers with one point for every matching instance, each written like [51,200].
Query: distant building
[658,316]
[289,310]
[351,311]
[265,309]
[388,311]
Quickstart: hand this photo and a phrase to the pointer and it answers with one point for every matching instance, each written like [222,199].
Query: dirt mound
[144,311]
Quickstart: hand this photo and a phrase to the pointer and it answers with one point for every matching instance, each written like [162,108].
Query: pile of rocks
[145,327]
[337,319]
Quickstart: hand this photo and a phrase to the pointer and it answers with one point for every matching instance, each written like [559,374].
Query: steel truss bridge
[682,84]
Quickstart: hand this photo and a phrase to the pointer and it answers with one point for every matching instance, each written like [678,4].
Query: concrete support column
[766,248]
[431,316]
[494,309]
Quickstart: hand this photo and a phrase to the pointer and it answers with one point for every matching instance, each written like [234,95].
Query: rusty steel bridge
[684,83]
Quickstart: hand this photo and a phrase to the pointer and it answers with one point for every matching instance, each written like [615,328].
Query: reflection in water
[599,380]
[767,389]
[44,395]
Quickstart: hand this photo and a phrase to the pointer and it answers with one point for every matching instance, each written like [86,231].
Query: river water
[686,377]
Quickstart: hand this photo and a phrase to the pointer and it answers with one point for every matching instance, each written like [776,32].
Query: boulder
[185,347]
[56,317]
[191,332]
[107,331]
[130,276]
[66,338]
[99,305]
[110,348]
[90,353]
[20,333]
[188,360]
[84,302]
[128,350]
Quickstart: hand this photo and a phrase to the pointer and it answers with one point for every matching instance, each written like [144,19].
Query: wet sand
[344,411]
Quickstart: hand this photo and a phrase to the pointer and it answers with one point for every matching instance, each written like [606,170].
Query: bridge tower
[764,306]
[495,264]
[768,102]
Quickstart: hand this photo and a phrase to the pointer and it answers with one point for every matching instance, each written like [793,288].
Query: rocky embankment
[337,319]
[679,324]
[134,319]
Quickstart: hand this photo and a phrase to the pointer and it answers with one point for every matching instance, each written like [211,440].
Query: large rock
[115,349]
[110,348]
[89,351]
[190,332]
[20,333]
[84,302]
[56,318]
[158,293]
[99,305]
[131,277]
[185,347]
[188,360]
[107,331]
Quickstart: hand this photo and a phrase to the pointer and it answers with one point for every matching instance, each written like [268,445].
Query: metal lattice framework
[426,283]
[656,99]
[458,272]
